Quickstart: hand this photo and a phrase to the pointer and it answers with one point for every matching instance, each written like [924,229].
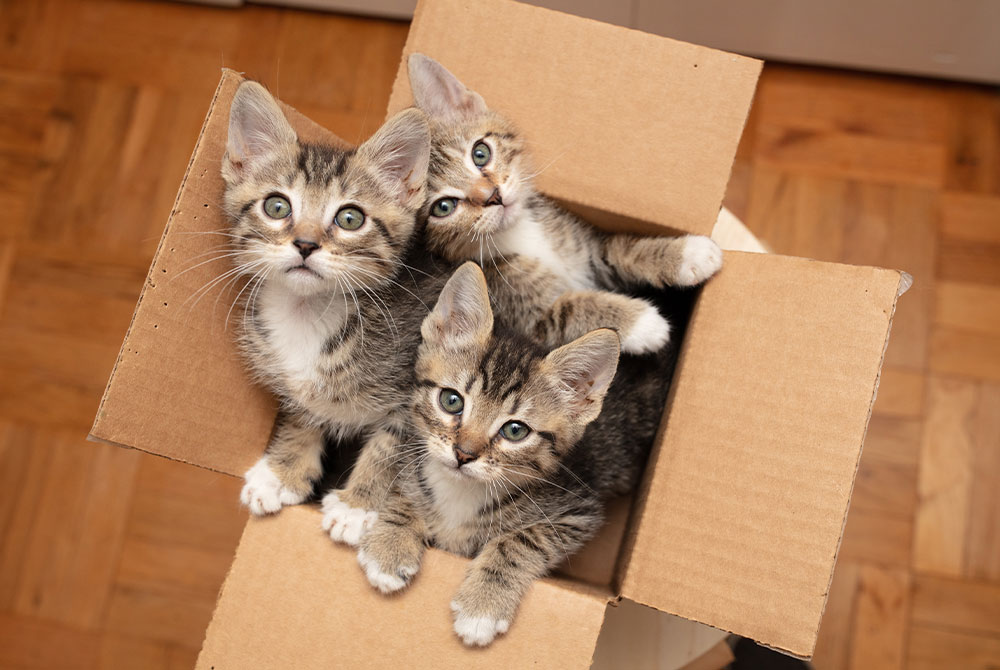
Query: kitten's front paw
[649,333]
[264,493]
[385,581]
[700,259]
[345,523]
[477,630]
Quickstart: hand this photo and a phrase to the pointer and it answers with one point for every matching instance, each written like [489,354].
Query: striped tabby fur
[500,220]
[334,312]
[518,506]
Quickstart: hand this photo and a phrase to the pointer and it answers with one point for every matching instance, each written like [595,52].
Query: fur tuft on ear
[400,151]
[462,316]
[258,131]
[439,93]
[584,369]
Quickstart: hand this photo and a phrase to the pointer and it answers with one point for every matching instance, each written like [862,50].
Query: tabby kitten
[516,456]
[482,205]
[323,235]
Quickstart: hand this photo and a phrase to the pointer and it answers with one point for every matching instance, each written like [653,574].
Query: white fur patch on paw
[700,259]
[384,581]
[649,333]
[264,493]
[477,630]
[345,523]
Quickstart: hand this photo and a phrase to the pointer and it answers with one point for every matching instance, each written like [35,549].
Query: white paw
[345,523]
[650,332]
[477,630]
[264,493]
[383,581]
[700,259]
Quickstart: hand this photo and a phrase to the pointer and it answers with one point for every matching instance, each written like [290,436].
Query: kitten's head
[480,177]
[493,406]
[315,218]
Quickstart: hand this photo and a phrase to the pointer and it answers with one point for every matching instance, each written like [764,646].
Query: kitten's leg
[390,552]
[350,512]
[640,326]
[499,576]
[285,474]
[687,260]
[532,298]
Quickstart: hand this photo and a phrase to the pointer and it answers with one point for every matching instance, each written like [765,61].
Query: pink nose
[484,193]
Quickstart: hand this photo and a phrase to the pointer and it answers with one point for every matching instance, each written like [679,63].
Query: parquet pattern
[112,559]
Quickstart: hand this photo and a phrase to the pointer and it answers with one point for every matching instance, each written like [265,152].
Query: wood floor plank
[31,644]
[882,619]
[970,217]
[969,307]
[973,146]
[935,649]
[833,646]
[893,440]
[900,392]
[176,617]
[885,487]
[982,549]
[177,505]
[945,476]
[957,604]
[962,353]
[876,538]
[76,525]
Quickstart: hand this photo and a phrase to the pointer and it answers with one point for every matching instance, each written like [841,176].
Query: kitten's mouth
[302,270]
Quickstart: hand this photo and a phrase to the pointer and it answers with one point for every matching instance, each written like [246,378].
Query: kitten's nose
[305,247]
[494,198]
[463,456]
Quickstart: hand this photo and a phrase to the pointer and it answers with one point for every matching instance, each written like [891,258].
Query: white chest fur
[457,501]
[529,238]
[298,328]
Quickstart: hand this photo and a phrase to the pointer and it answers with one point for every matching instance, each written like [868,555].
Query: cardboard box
[739,517]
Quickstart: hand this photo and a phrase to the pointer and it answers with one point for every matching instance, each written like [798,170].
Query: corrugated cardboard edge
[905,282]
[335,577]
[153,264]
[582,204]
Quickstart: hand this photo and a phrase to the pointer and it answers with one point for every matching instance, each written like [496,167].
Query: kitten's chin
[304,281]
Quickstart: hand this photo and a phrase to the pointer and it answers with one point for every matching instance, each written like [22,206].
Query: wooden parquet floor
[112,559]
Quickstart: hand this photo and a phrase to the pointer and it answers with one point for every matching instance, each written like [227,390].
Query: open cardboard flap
[746,494]
[608,111]
[180,388]
[293,600]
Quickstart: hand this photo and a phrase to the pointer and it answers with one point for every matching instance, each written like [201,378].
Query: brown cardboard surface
[293,599]
[745,497]
[179,388]
[641,128]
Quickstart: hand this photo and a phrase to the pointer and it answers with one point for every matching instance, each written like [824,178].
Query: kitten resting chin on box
[513,456]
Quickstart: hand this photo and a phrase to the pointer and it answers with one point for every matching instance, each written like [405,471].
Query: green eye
[444,207]
[515,431]
[349,218]
[481,154]
[277,207]
[451,401]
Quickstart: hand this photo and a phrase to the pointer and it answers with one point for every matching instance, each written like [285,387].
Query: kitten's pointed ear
[439,93]
[399,153]
[584,369]
[258,130]
[462,316]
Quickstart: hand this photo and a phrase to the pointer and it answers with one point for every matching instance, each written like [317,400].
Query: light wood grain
[957,603]
[881,619]
[945,476]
